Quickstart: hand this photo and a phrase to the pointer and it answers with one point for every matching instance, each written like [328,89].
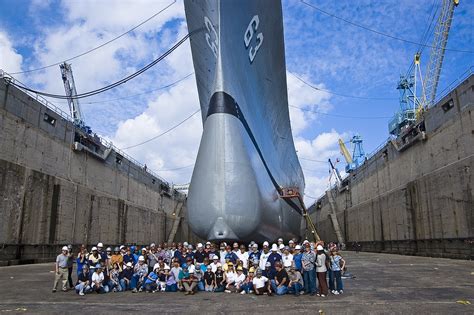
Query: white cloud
[10,60]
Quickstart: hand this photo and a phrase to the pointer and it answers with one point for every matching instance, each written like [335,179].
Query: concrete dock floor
[384,283]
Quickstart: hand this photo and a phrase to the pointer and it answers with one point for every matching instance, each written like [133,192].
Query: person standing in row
[309,272]
[321,260]
[61,269]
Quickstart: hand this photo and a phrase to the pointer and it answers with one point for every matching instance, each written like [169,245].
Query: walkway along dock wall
[52,195]
[418,201]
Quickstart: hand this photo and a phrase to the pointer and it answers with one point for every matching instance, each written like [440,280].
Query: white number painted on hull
[213,43]
[249,32]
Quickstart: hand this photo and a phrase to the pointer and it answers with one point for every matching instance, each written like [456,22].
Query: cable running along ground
[378,32]
[163,133]
[100,46]
[342,95]
[113,85]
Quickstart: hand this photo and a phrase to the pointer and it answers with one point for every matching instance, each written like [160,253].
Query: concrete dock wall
[418,201]
[51,195]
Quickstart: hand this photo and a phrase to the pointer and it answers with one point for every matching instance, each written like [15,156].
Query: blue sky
[325,51]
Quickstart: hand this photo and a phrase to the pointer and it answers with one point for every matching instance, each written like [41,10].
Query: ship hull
[246,152]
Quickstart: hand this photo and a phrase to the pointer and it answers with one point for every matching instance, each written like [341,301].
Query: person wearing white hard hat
[264,255]
[126,277]
[254,255]
[101,251]
[140,272]
[243,256]
[61,269]
[274,257]
[200,254]
[280,242]
[94,257]
[321,269]
[297,255]
[309,272]
[215,262]
[287,258]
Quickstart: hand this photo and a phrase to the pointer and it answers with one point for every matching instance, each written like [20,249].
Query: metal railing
[108,144]
[451,86]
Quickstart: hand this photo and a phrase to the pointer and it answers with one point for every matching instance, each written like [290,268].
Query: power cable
[378,32]
[163,133]
[175,169]
[306,159]
[115,84]
[339,94]
[143,93]
[341,116]
[101,45]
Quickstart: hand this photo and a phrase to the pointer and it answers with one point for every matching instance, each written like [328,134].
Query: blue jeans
[331,279]
[125,286]
[113,285]
[134,282]
[220,288]
[200,285]
[295,288]
[151,286]
[278,290]
[247,287]
[337,275]
[171,288]
[309,278]
[81,287]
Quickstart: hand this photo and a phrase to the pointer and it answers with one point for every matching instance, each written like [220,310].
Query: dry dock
[384,283]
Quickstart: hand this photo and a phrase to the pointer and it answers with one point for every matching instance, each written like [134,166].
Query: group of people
[309,268]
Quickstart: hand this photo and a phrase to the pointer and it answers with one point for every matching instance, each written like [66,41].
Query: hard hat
[93,249]
[108,249]
[100,245]
[143,249]
[319,247]
[255,245]
[156,266]
[129,264]
[280,240]
[281,246]
[190,246]
[268,264]
[65,248]
[266,243]
[69,246]
[298,247]
[251,270]
[141,258]
[122,247]
[239,268]
[214,257]
[291,242]
[152,245]
[199,245]
[185,244]
[98,266]
[274,247]
[116,249]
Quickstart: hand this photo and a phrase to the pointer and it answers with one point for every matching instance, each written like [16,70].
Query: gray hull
[247,151]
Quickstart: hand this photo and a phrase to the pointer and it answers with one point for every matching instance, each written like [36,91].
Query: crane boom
[345,152]
[70,88]
[441,32]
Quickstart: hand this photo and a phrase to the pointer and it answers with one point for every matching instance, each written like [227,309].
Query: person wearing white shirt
[215,262]
[260,283]
[239,278]
[243,256]
[287,258]
[98,280]
[264,256]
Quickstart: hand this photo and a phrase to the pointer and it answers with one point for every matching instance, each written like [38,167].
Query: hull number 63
[249,33]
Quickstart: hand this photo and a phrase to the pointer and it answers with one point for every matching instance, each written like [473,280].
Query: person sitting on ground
[176,270]
[151,281]
[296,281]
[162,278]
[209,279]
[140,272]
[239,279]
[83,281]
[98,280]
[189,282]
[184,273]
[114,278]
[94,257]
[61,269]
[171,284]
[321,261]
[247,285]
[190,265]
[199,274]
[220,279]
[337,266]
[279,284]
[287,258]
[230,278]
[126,277]
[260,283]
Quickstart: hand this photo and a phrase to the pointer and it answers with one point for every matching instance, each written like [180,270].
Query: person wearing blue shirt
[230,256]
[297,258]
[274,257]
[150,281]
[254,254]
